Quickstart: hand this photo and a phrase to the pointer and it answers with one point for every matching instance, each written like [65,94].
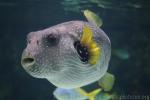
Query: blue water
[126,22]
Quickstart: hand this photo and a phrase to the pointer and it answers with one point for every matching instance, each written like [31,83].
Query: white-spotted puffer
[52,54]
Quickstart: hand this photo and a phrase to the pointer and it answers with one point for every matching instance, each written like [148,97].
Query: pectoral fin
[107,81]
[88,41]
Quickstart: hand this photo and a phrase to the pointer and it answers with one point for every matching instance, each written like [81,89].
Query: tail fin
[90,95]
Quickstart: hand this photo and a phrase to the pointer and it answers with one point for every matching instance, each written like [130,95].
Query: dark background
[126,22]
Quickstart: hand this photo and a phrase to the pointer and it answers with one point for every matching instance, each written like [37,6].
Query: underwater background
[126,22]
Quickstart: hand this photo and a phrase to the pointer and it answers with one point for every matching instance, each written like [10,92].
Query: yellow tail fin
[90,95]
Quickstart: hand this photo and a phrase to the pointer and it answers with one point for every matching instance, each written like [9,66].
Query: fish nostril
[28,61]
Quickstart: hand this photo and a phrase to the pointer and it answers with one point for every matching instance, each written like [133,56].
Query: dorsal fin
[93,18]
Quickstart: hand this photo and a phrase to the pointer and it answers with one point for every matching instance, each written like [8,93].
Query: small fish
[69,55]
[121,53]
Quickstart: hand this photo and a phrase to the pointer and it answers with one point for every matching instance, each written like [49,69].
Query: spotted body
[59,61]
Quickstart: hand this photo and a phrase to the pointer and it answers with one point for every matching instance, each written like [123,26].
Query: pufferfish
[70,55]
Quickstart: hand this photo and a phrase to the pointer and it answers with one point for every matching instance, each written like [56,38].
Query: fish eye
[52,40]
[82,51]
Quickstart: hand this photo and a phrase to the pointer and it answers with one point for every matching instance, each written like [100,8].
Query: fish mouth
[31,67]
[27,61]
